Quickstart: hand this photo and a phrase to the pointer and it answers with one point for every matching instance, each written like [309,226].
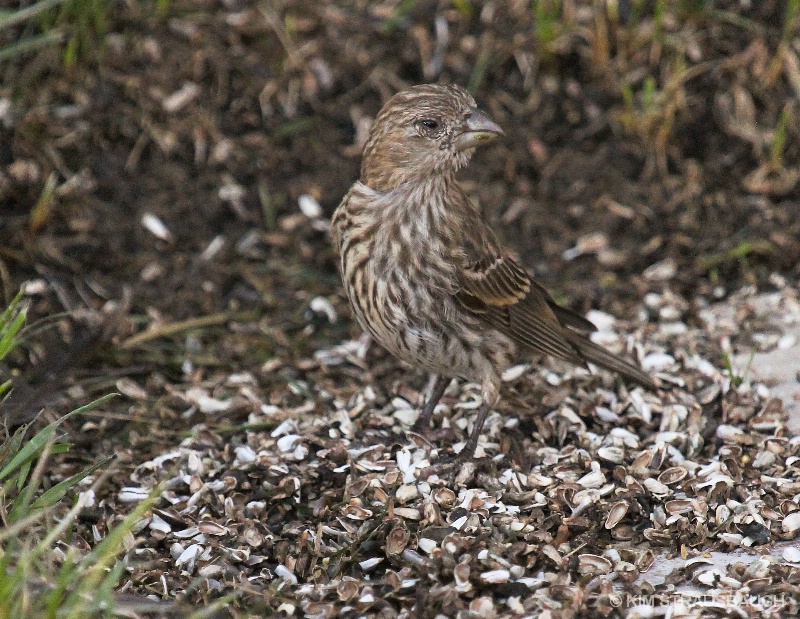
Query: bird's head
[426,130]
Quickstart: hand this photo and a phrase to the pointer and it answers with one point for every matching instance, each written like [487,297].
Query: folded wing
[496,289]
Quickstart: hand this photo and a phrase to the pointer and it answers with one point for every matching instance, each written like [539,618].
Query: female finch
[426,277]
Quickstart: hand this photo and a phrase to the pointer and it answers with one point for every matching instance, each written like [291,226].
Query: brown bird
[426,276]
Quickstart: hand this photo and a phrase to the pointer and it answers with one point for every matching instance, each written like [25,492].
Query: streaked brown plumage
[426,277]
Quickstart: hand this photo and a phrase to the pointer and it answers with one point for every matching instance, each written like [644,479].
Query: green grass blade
[30,450]
[40,439]
[11,18]
[11,325]
[32,43]
[6,313]
[57,492]
[62,582]
[12,445]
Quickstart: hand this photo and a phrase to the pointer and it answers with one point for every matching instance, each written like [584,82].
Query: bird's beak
[477,129]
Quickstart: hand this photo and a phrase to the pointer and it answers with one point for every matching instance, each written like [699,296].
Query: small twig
[176,327]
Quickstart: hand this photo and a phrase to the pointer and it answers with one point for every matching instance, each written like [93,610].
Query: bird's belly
[409,308]
[439,340]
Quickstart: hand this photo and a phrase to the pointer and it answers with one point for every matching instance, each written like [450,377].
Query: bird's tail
[598,355]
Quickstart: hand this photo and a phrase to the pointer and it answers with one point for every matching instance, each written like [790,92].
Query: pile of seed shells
[580,486]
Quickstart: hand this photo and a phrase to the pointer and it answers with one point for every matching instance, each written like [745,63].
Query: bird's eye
[429,123]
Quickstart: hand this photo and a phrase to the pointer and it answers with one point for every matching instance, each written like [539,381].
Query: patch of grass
[84,22]
[12,319]
[657,48]
[43,575]
[779,139]
[548,23]
[653,111]
[11,18]
[80,24]
[739,253]
[780,62]
[737,378]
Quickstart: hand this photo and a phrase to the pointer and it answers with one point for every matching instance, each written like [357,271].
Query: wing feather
[498,290]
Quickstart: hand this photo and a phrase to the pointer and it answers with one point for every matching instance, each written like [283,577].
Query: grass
[11,18]
[737,378]
[84,22]
[779,139]
[651,55]
[12,319]
[740,253]
[78,24]
[548,22]
[652,113]
[41,573]
[790,19]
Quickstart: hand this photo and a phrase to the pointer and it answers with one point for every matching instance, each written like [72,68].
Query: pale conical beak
[477,129]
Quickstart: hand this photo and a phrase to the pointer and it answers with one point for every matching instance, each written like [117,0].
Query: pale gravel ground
[375,529]
[781,366]
[780,369]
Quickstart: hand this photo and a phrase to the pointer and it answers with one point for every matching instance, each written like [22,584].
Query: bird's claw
[433,436]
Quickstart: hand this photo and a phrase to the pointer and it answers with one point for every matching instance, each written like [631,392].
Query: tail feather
[598,355]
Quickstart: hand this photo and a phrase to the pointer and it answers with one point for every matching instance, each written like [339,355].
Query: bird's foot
[432,435]
[450,468]
[458,468]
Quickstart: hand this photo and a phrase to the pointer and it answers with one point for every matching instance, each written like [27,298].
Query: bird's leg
[490,393]
[439,385]
[472,443]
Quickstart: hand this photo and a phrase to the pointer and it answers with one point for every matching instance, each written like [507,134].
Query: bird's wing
[495,288]
[566,316]
[498,290]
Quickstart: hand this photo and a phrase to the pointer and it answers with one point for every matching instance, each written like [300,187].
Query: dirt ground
[151,195]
